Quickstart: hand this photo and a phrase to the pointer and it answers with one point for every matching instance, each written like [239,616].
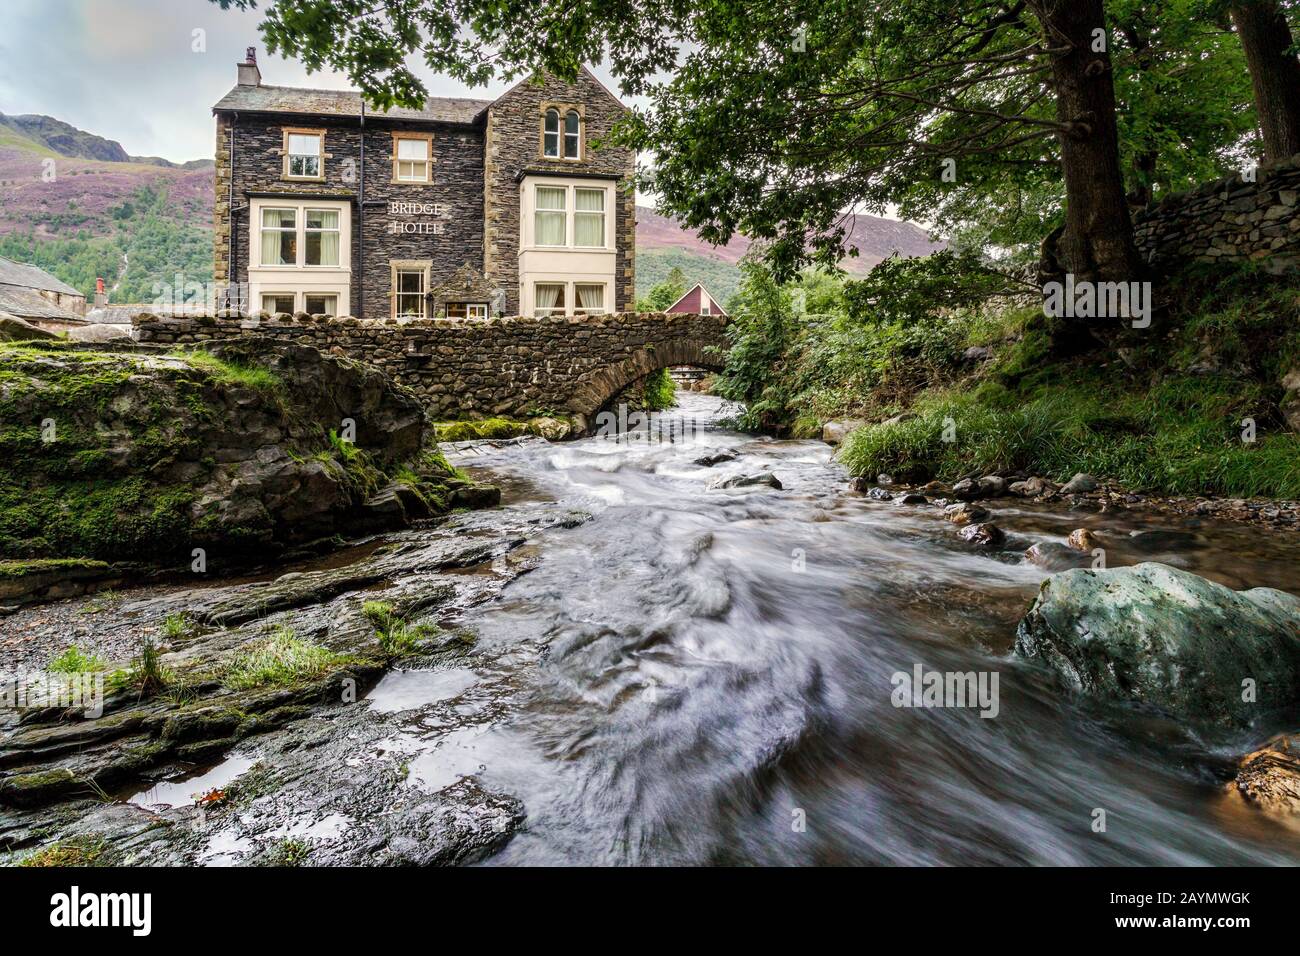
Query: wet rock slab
[326,764]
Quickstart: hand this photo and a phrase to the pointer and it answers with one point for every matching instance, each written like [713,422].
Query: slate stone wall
[457,186]
[515,367]
[1227,221]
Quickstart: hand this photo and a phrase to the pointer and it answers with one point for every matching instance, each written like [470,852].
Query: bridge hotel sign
[403,221]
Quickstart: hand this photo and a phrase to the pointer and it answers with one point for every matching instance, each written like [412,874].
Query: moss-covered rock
[129,452]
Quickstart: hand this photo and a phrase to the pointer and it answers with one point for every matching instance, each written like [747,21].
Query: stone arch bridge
[512,367]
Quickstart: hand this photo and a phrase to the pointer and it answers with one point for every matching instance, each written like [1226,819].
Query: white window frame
[410,267]
[604,294]
[564,298]
[320,155]
[322,295]
[426,177]
[565,213]
[262,229]
[292,296]
[603,214]
[302,237]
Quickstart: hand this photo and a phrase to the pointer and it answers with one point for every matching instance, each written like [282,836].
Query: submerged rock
[1054,556]
[1269,779]
[965,513]
[984,535]
[912,498]
[765,478]
[708,461]
[1155,635]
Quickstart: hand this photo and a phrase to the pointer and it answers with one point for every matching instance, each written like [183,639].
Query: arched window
[572,134]
[551,134]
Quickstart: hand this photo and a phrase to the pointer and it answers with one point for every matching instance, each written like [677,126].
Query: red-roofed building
[698,301]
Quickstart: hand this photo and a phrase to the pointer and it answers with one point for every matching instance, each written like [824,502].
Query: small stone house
[35,296]
[462,209]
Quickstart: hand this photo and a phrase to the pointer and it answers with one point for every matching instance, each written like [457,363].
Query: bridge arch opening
[597,389]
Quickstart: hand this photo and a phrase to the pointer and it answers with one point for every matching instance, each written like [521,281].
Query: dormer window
[304,154]
[561,134]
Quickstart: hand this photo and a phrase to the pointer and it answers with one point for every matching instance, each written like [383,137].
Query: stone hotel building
[463,209]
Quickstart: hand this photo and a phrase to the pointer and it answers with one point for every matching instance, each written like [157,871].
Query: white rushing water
[705,676]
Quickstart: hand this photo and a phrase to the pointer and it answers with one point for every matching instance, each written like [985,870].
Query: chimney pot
[249,74]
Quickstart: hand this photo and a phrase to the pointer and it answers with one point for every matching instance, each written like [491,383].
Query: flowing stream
[704,676]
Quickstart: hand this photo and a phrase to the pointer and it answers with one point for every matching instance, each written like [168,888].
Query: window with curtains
[551,134]
[279,237]
[548,298]
[274,302]
[322,237]
[572,134]
[409,292]
[551,223]
[315,304]
[304,154]
[590,298]
[589,217]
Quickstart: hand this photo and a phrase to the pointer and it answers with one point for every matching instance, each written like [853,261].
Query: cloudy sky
[133,70]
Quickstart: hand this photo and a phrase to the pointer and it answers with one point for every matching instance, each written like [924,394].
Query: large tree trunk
[1274,74]
[1096,244]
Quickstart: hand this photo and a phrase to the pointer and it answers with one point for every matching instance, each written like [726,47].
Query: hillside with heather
[77,205]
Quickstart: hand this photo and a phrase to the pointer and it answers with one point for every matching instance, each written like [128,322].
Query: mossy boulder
[1154,635]
[130,452]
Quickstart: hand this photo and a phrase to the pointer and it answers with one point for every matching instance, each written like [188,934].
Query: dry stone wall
[514,367]
[1228,221]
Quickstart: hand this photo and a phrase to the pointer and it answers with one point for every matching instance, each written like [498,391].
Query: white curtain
[548,297]
[589,217]
[279,237]
[550,216]
[323,228]
[591,298]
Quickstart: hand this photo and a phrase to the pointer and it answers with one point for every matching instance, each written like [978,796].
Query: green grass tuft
[282,660]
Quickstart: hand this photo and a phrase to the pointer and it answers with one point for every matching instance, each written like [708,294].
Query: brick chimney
[101,297]
[249,74]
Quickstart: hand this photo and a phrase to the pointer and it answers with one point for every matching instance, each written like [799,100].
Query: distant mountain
[95,211]
[66,140]
[662,243]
